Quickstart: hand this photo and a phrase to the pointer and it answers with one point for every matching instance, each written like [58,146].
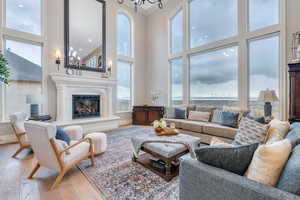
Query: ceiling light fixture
[142,2]
[21,6]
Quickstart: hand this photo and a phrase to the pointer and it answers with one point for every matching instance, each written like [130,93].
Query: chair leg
[17,152]
[34,171]
[58,180]
[93,159]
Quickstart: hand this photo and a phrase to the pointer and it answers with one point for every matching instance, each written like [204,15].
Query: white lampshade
[268,96]
[34,99]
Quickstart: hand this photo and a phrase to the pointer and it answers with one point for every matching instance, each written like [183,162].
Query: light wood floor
[14,184]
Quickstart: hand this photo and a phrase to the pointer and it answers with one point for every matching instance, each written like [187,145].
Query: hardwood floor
[14,184]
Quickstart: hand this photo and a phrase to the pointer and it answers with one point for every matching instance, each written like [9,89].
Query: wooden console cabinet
[145,115]
[294,74]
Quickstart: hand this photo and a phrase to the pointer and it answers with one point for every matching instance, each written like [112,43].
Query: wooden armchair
[17,122]
[52,153]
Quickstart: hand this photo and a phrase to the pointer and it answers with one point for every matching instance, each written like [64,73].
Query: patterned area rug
[118,178]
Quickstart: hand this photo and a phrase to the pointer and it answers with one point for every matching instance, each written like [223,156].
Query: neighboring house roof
[22,69]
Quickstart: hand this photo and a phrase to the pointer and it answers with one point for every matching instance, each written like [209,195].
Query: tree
[4,71]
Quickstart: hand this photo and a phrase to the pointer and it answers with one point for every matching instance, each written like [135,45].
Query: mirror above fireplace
[85,37]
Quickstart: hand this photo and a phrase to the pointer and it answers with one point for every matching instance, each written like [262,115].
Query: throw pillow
[217,142]
[62,135]
[268,162]
[170,113]
[180,113]
[250,131]
[294,136]
[277,130]
[235,159]
[189,109]
[261,120]
[199,116]
[289,180]
[242,112]
[206,109]
[217,116]
[230,119]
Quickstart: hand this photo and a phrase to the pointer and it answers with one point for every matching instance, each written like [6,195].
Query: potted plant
[4,71]
[159,125]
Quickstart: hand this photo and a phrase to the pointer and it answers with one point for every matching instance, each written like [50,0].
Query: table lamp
[268,96]
[34,101]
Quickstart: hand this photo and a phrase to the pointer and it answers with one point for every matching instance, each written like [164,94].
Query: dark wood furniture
[294,109]
[172,163]
[145,115]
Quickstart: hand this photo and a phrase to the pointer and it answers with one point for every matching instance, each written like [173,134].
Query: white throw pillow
[268,161]
[199,116]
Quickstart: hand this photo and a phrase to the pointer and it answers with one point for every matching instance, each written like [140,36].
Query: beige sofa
[206,130]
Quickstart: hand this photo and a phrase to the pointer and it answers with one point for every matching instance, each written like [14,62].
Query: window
[177,32]
[25,63]
[263,13]
[124,86]
[177,82]
[24,16]
[124,35]
[125,63]
[212,20]
[213,77]
[264,72]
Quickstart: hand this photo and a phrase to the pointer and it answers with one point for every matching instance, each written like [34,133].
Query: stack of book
[158,164]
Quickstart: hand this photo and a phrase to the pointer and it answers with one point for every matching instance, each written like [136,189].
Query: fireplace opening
[86,106]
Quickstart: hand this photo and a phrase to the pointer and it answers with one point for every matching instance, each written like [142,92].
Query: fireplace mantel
[69,85]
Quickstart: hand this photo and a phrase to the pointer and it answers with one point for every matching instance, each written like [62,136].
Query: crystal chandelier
[142,2]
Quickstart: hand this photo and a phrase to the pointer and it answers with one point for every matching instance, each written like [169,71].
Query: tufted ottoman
[99,142]
[74,132]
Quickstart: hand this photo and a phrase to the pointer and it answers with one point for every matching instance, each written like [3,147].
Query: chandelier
[142,2]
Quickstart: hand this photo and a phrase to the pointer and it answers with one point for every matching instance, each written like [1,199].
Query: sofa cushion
[294,136]
[219,130]
[195,126]
[177,122]
[268,162]
[217,116]
[235,159]
[250,131]
[277,130]
[230,119]
[199,116]
[180,113]
[289,180]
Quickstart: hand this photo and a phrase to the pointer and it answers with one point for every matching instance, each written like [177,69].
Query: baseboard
[8,139]
[124,122]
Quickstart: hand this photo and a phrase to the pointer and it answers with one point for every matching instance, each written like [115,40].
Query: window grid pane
[263,72]
[124,86]
[25,63]
[177,33]
[213,78]
[212,20]
[24,15]
[263,13]
[123,35]
[177,82]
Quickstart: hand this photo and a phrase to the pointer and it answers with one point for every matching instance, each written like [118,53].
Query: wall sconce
[110,64]
[57,58]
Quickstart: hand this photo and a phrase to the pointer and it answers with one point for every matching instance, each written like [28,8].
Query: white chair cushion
[76,152]
[99,142]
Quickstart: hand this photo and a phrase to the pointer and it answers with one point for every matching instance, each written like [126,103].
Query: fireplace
[86,106]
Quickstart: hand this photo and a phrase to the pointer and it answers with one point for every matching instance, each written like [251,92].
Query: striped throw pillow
[250,131]
[217,116]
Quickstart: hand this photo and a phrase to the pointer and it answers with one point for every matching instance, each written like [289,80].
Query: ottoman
[99,142]
[74,132]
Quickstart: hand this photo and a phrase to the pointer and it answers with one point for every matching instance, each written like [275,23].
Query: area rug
[116,177]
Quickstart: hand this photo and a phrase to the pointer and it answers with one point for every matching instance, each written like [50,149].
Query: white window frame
[241,40]
[7,33]
[126,59]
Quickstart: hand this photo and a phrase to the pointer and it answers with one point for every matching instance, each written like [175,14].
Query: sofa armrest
[201,181]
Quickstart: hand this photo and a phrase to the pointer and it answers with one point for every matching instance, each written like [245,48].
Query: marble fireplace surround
[68,85]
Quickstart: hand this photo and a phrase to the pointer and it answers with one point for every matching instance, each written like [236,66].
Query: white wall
[157,43]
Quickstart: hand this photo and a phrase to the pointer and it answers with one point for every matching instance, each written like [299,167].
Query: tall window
[125,63]
[213,77]
[23,53]
[264,72]
[177,82]
[212,20]
[228,56]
